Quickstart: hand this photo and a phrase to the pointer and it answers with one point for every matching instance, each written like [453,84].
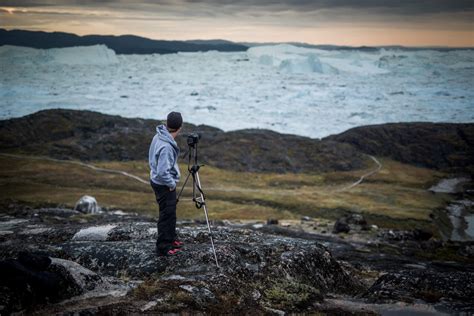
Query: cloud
[243,19]
[402,7]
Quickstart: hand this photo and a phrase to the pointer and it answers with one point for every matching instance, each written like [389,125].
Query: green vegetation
[396,196]
[286,294]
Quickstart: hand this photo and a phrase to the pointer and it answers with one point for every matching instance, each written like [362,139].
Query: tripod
[198,195]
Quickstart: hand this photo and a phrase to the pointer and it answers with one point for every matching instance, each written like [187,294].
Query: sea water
[284,88]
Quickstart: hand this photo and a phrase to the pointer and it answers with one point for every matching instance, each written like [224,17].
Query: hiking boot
[177,244]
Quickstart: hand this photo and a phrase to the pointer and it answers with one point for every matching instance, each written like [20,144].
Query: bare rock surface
[106,263]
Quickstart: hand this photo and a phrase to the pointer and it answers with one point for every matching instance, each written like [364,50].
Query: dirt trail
[75,162]
[137,178]
[379,167]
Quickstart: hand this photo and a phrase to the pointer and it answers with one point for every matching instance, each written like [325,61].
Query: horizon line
[244,42]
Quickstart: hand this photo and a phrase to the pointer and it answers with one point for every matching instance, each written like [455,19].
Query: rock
[26,283]
[429,286]
[341,226]
[467,250]
[374,227]
[148,305]
[272,221]
[87,204]
[451,185]
[356,219]
[422,235]
[80,279]
[94,233]
[262,270]
[401,235]
[200,294]
[350,222]
[37,279]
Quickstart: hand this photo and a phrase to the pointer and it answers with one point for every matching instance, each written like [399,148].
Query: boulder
[350,222]
[34,279]
[272,221]
[87,204]
[467,250]
[356,219]
[341,226]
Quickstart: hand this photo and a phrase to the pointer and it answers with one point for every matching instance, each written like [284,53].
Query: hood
[165,136]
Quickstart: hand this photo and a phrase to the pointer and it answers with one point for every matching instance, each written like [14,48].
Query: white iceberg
[292,59]
[78,55]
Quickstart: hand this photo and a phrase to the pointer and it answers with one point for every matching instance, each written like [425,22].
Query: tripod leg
[182,188]
[198,183]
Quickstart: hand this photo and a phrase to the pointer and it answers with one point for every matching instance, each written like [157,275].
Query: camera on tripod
[193,139]
[198,195]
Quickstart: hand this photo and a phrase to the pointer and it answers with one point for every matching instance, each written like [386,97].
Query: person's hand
[172,189]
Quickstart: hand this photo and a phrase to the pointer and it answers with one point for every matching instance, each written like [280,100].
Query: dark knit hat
[174,120]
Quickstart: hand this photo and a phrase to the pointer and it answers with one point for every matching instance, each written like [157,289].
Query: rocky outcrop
[34,279]
[106,263]
[256,270]
[451,287]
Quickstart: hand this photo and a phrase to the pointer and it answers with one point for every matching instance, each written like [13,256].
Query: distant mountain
[124,44]
[211,42]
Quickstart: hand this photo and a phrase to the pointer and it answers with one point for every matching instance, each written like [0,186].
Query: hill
[86,135]
[444,146]
[123,44]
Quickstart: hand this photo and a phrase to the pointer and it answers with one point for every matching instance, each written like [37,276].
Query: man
[164,176]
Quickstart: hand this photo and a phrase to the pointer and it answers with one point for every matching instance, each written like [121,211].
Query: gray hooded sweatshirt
[163,158]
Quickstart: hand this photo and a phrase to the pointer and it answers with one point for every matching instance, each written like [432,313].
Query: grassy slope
[394,197]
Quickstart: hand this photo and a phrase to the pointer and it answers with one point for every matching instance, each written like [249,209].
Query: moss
[146,290]
[291,295]
[173,298]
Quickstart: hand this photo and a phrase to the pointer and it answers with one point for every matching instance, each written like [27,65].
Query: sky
[339,22]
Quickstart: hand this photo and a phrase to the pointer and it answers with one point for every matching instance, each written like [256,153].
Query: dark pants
[167,220]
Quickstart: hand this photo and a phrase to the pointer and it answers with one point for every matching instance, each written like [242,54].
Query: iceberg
[292,59]
[80,55]
[305,91]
